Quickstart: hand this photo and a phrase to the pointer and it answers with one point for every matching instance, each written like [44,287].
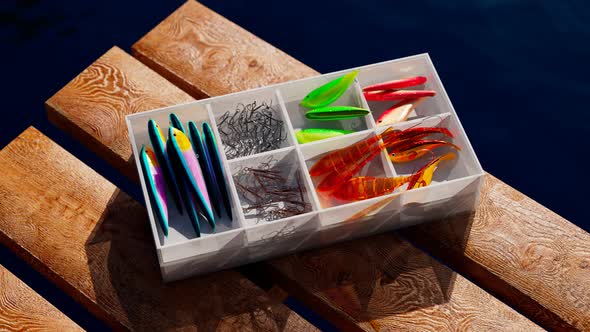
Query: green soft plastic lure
[315,134]
[336,113]
[329,92]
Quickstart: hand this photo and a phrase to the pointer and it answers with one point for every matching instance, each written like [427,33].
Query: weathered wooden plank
[514,248]
[195,44]
[466,301]
[22,309]
[527,255]
[94,242]
[94,113]
[387,284]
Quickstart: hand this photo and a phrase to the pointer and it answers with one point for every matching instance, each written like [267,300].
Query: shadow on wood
[122,238]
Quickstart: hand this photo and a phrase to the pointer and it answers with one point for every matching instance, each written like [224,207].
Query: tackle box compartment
[245,239]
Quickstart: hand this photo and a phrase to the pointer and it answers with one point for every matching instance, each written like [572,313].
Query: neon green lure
[329,92]
[336,113]
[315,134]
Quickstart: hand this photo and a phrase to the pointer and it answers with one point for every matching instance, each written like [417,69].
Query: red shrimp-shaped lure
[421,132]
[365,187]
[349,155]
[340,175]
[416,149]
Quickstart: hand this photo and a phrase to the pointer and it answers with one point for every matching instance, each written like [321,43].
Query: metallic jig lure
[158,142]
[191,171]
[215,159]
[154,181]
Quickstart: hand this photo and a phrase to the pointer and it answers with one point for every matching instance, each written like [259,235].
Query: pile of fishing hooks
[271,193]
[250,129]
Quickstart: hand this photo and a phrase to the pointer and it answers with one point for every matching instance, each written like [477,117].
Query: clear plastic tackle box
[246,238]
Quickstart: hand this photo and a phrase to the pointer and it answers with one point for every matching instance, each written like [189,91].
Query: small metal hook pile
[271,192]
[251,129]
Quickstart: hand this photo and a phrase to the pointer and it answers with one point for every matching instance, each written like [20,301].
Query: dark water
[516,71]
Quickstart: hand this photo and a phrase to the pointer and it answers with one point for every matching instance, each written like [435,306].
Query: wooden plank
[514,247]
[467,300]
[525,254]
[388,284]
[94,114]
[195,44]
[22,309]
[94,242]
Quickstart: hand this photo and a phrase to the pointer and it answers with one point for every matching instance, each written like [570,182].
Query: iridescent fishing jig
[191,172]
[159,145]
[176,123]
[215,159]
[154,181]
[206,167]
[329,92]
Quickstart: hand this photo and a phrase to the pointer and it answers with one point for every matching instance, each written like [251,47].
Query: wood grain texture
[386,284]
[93,106]
[514,247]
[94,242]
[526,254]
[465,302]
[469,300]
[207,55]
[22,309]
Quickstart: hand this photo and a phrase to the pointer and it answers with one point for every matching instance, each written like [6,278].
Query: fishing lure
[417,149]
[206,166]
[372,209]
[347,155]
[176,123]
[423,177]
[397,94]
[187,197]
[364,187]
[315,134]
[396,84]
[329,92]
[336,113]
[398,112]
[191,171]
[340,175]
[154,181]
[159,145]
[215,158]
[418,133]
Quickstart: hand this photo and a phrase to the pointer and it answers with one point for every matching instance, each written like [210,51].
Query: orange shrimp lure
[365,187]
[423,177]
[340,175]
[349,155]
